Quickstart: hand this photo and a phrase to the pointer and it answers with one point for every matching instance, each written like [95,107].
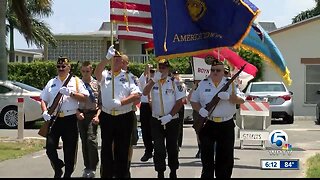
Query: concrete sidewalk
[247,161]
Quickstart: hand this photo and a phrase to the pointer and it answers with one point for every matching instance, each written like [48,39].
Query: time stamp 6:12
[280,164]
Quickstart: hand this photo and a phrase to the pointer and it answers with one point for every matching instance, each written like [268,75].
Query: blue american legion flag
[261,43]
[188,27]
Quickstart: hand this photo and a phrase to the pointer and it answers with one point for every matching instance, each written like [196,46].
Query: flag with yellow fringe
[261,43]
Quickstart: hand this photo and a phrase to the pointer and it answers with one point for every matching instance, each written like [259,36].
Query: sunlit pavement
[303,135]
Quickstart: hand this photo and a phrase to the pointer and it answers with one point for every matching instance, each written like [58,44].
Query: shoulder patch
[53,85]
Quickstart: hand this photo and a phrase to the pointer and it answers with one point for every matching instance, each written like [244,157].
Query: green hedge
[37,74]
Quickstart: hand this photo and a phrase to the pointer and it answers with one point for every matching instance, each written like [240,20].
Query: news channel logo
[279,141]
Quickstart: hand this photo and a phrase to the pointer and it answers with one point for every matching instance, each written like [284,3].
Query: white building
[299,44]
[93,46]
[26,55]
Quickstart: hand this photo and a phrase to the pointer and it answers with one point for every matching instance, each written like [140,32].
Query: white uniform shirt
[68,103]
[143,83]
[206,91]
[124,85]
[171,92]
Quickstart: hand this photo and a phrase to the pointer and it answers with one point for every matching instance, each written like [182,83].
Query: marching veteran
[219,129]
[65,124]
[166,99]
[116,117]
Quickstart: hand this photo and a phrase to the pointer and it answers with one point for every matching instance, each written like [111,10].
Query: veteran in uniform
[166,94]
[88,122]
[146,114]
[219,129]
[65,124]
[134,135]
[116,117]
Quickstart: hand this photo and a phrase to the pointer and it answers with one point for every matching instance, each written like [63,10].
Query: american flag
[130,11]
[135,32]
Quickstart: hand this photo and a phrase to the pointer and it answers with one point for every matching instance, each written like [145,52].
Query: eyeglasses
[216,70]
[85,71]
[61,66]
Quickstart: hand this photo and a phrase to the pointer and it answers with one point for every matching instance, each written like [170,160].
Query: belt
[115,112]
[220,119]
[88,110]
[173,117]
[66,113]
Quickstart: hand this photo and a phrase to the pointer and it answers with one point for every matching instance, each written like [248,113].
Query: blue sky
[72,16]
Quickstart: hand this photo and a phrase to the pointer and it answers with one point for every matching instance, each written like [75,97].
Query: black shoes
[146,157]
[58,173]
[173,175]
[160,174]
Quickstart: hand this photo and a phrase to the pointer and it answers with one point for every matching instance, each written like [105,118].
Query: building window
[312,84]
[17,58]
[30,59]
[23,59]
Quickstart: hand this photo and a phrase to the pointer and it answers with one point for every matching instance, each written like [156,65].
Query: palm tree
[41,33]
[308,13]
[19,7]
[23,15]
[3,53]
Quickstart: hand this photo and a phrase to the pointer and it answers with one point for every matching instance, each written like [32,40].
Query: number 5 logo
[278,138]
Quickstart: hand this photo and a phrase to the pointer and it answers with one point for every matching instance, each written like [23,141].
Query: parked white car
[277,94]
[10,91]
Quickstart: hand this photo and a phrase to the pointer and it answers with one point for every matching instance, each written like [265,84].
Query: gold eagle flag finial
[196,9]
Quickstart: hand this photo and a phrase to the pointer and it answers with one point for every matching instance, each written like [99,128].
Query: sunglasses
[61,66]
[162,67]
[216,70]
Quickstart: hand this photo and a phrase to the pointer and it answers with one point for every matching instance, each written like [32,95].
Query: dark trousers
[67,129]
[181,120]
[221,134]
[165,140]
[115,130]
[88,135]
[145,118]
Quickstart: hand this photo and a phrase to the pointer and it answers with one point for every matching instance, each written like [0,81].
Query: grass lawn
[313,166]
[12,149]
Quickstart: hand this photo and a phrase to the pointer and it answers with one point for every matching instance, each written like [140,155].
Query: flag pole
[161,98]
[112,67]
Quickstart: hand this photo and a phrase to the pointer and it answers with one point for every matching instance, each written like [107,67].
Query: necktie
[91,96]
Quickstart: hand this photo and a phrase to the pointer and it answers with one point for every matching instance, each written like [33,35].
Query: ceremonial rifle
[200,121]
[46,127]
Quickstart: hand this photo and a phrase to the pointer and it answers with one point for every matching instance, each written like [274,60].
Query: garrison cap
[164,62]
[211,60]
[62,60]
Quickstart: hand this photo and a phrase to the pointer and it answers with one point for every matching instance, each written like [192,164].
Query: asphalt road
[303,136]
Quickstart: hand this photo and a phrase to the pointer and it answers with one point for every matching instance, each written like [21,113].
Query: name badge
[207,90]
[169,91]
[123,80]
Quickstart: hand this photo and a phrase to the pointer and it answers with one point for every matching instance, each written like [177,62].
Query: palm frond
[22,14]
[40,8]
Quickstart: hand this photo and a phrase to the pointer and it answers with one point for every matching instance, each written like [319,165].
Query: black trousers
[115,130]
[88,135]
[67,129]
[221,134]
[181,120]
[165,140]
[145,118]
